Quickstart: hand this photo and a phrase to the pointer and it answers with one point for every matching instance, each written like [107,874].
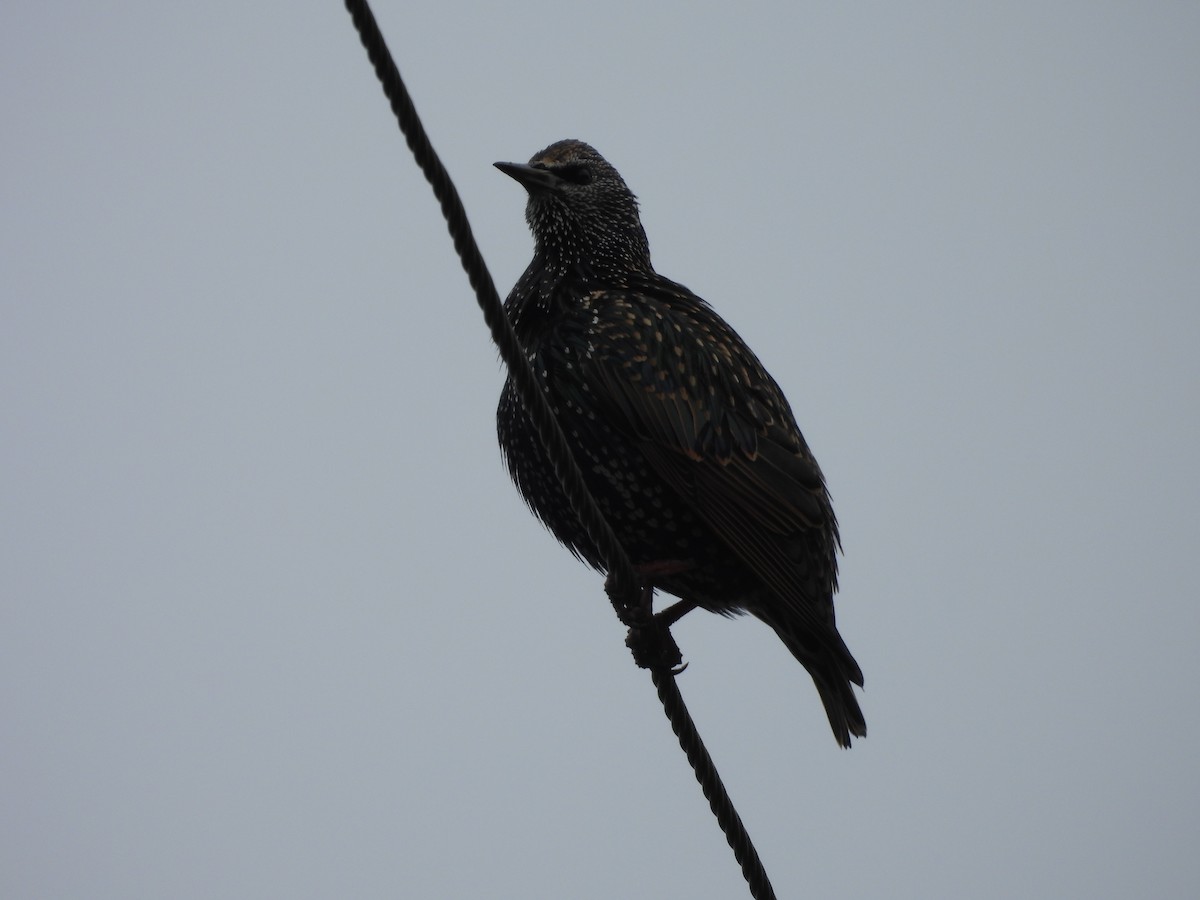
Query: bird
[688,445]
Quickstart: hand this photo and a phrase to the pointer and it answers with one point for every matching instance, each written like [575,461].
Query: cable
[480,278]
[652,645]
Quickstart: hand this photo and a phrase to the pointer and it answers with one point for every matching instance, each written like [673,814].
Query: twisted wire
[710,783]
[619,565]
[624,584]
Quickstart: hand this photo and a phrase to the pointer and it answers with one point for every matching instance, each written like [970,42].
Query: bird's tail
[833,670]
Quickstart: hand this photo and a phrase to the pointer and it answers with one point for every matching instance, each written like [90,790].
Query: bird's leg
[650,636]
[629,610]
[675,612]
[647,573]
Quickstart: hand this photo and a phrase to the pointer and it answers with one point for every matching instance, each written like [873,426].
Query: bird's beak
[530,177]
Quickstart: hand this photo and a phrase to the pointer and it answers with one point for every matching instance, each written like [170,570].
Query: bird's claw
[654,647]
[649,637]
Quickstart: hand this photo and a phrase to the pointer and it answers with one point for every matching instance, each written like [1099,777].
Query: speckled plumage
[684,439]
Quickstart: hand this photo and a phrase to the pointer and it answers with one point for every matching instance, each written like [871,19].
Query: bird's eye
[574,174]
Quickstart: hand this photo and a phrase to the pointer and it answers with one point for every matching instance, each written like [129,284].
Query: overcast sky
[274,623]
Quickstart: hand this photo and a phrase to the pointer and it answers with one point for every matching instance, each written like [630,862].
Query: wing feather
[717,429]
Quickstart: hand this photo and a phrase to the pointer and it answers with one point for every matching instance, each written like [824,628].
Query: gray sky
[273,622]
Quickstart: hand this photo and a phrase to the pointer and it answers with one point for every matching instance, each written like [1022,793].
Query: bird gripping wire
[653,646]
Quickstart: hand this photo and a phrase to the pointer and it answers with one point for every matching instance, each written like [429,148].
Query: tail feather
[833,671]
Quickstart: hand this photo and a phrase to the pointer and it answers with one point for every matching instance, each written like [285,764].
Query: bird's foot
[650,637]
[653,647]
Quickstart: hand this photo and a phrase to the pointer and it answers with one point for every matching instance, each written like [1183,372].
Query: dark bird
[687,444]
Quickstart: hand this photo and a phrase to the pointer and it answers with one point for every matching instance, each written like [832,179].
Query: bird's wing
[715,426]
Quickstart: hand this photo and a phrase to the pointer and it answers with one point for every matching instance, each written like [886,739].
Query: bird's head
[580,210]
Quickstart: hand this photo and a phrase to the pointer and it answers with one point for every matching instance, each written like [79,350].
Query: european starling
[687,444]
